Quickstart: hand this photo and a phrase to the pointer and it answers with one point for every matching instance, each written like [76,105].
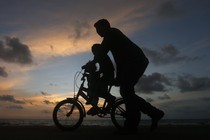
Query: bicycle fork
[75,99]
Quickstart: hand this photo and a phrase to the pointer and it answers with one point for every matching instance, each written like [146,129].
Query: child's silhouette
[98,80]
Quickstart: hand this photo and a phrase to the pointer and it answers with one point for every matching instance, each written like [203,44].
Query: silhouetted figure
[98,80]
[131,63]
[106,70]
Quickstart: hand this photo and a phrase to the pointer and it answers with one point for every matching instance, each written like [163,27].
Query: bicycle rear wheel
[118,113]
[68,115]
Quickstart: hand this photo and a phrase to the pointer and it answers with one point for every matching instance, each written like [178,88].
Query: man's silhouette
[131,63]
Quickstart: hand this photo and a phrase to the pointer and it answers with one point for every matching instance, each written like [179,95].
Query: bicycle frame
[64,111]
[85,96]
[76,98]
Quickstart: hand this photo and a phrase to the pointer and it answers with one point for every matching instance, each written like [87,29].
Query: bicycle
[68,114]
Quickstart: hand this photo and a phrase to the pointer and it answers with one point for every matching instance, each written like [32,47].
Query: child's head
[90,67]
[96,49]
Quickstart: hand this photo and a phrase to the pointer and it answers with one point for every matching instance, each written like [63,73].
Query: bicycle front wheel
[68,115]
[118,113]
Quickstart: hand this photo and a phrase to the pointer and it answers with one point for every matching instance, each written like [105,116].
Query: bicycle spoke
[67,115]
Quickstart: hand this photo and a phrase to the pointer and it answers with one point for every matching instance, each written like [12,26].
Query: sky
[43,43]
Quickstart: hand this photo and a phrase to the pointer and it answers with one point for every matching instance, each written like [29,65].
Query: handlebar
[88,67]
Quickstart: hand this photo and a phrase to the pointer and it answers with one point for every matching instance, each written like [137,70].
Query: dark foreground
[165,132]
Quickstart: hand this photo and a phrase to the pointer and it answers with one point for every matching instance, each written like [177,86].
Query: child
[99,80]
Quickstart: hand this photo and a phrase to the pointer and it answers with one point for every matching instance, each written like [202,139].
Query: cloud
[168,54]
[155,82]
[190,108]
[46,112]
[149,100]
[10,98]
[206,99]
[188,82]
[12,82]
[48,102]
[67,28]
[169,9]
[45,93]
[15,107]
[164,97]
[3,73]
[81,30]
[15,51]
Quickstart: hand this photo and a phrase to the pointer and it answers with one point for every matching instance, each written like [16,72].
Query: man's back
[122,48]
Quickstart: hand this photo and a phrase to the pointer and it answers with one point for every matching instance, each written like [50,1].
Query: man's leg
[132,112]
[129,76]
[135,104]
[150,110]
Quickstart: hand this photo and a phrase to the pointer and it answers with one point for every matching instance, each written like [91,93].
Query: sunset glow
[44,43]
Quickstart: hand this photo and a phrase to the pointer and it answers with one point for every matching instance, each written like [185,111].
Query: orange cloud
[8,84]
[76,35]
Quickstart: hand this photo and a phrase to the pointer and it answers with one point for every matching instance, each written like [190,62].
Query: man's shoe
[155,119]
[93,111]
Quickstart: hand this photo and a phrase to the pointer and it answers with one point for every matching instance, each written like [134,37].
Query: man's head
[102,26]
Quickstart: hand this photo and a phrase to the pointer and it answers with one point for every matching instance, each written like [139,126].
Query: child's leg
[93,110]
[94,102]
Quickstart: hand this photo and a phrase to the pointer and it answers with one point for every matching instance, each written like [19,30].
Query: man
[131,63]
